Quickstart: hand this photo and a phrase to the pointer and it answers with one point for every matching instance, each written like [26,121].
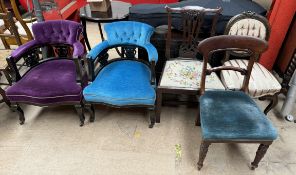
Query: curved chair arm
[78,49]
[20,51]
[152,52]
[93,53]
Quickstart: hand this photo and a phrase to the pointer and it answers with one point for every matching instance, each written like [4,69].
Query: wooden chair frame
[128,52]
[193,20]
[80,74]
[252,15]
[18,18]
[9,24]
[254,47]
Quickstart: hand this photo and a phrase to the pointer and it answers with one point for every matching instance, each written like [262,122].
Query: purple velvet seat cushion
[51,82]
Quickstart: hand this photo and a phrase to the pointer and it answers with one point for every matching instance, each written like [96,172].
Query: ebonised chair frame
[128,52]
[9,24]
[252,15]
[252,46]
[80,74]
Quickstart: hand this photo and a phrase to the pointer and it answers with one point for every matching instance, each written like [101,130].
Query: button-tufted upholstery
[124,81]
[55,81]
[54,32]
[248,27]
[57,31]
[127,33]
[262,82]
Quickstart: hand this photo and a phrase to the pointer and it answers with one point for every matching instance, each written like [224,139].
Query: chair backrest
[10,25]
[248,24]
[253,46]
[57,32]
[128,33]
[193,20]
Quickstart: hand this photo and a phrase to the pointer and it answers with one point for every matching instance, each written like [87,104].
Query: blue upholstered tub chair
[52,81]
[126,81]
[232,116]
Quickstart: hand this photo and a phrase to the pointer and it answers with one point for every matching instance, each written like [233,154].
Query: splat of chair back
[193,21]
[253,46]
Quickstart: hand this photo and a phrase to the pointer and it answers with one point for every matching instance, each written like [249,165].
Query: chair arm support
[80,72]
[93,53]
[152,52]
[13,68]
[21,50]
[153,78]
[78,49]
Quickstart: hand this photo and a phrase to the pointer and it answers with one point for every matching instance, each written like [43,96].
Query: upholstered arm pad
[21,50]
[78,49]
[93,53]
[152,52]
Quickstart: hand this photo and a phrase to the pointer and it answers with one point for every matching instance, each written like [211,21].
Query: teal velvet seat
[122,83]
[233,115]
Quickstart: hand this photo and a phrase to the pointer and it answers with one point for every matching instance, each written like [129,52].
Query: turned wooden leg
[18,109]
[202,153]
[152,117]
[259,155]
[90,108]
[80,113]
[4,98]
[158,105]
[8,78]
[272,104]
[197,120]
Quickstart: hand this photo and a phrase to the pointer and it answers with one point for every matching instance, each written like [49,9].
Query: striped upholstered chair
[263,84]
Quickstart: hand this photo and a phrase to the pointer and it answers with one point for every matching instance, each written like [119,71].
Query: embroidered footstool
[182,76]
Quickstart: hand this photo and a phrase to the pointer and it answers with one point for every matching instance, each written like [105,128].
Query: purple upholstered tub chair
[52,81]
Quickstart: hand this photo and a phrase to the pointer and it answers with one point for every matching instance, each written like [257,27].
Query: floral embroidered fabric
[186,74]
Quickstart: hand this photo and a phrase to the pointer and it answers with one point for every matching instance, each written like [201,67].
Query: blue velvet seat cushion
[122,83]
[233,115]
[50,82]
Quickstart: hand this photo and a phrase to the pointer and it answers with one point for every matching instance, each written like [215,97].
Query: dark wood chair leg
[8,78]
[158,105]
[4,98]
[272,104]
[152,114]
[18,109]
[259,155]
[90,108]
[202,153]
[80,112]
[197,120]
